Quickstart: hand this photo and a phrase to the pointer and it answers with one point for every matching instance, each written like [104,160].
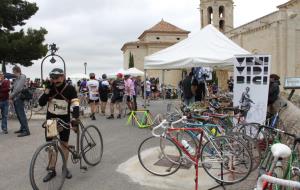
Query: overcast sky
[94,31]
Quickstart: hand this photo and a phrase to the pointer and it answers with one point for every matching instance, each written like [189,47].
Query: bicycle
[12,112]
[146,119]
[89,146]
[223,158]
[83,101]
[272,163]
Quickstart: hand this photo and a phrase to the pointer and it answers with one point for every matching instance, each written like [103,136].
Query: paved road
[120,144]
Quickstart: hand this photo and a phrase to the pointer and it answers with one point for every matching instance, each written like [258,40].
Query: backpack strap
[60,93]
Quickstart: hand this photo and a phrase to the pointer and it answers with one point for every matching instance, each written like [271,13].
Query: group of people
[99,90]
[13,93]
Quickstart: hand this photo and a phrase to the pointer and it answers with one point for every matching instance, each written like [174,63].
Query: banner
[251,86]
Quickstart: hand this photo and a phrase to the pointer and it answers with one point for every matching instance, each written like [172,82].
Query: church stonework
[158,37]
[277,34]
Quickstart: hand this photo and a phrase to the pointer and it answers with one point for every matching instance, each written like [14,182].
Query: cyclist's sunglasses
[54,76]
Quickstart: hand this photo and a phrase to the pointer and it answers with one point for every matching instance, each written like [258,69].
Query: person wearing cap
[118,87]
[103,90]
[129,92]
[60,96]
[18,86]
[274,91]
[4,94]
[93,87]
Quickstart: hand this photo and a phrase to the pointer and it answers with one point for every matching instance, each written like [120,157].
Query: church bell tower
[218,13]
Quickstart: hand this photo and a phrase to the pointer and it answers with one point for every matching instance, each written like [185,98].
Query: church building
[277,33]
[156,38]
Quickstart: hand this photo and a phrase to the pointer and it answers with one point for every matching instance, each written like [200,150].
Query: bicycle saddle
[281,150]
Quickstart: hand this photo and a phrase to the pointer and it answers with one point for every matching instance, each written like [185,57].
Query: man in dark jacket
[60,96]
[4,94]
[273,88]
[188,89]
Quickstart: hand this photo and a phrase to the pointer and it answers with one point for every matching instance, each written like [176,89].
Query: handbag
[51,128]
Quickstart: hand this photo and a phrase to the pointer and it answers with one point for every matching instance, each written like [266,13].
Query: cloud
[94,31]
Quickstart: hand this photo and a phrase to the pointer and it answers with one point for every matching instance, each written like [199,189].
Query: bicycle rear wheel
[40,164]
[252,146]
[91,145]
[226,160]
[154,154]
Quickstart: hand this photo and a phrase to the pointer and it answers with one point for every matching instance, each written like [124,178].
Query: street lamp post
[85,67]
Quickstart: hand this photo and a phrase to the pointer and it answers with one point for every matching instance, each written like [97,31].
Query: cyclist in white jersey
[93,87]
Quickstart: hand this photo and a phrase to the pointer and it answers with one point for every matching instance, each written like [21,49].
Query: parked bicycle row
[219,140]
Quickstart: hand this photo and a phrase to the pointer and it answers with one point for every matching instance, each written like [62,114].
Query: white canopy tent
[114,74]
[134,72]
[206,48]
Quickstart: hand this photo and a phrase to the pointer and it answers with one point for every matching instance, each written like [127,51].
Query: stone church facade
[277,33]
[158,37]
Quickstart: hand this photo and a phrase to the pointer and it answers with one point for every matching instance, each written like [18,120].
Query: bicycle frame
[147,120]
[194,159]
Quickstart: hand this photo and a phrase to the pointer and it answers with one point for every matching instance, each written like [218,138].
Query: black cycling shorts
[93,101]
[115,99]
[103,97]
[64,135]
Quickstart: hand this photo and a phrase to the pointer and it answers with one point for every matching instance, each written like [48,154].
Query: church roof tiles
[164,27]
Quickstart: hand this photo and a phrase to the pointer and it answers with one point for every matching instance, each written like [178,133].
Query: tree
[131,60]
[19,47]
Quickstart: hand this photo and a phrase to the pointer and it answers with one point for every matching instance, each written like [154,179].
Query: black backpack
[26,94]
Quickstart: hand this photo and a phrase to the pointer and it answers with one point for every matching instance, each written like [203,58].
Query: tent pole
[163,84]
[145,88]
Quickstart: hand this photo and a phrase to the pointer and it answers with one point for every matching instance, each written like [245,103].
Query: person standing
[148,91]
[129,92]
[104,90]
[93,87]
[4,94]
[118,87]
[230,84]
[60,96]
[18,86]
[188,88]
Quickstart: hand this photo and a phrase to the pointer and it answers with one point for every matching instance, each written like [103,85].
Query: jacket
[4,90]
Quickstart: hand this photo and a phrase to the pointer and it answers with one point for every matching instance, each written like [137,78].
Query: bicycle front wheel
[159,156]
[45,157]
[91,145]
[28,110]
[226,160]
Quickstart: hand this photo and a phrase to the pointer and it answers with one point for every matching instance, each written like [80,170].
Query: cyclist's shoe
[51,174]
[110,117]
[119,116]
[93,117]
[68,174]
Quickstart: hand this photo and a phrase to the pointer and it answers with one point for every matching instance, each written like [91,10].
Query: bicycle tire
[252,146]
[154,160]
[28,110]
[87,141]
[229,148]
[262,137]
[36,185]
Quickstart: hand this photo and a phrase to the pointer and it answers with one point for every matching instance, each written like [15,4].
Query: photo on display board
[251,86]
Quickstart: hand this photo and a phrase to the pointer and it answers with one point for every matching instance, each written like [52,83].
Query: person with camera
[60,96]
[16,97]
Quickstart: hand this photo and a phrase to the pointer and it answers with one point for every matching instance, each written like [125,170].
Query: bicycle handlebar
[163,125]
[274,180]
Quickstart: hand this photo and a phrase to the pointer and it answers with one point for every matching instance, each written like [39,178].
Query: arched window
[221,12]
[221,25]
[210,15]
